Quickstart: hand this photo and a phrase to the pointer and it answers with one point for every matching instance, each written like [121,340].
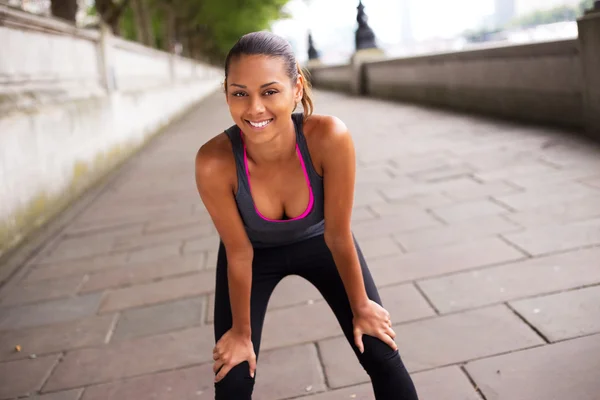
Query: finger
[389,341]
[252,363]
[358,340]
[223,372]
[391,332]
[216,356]
[217,365]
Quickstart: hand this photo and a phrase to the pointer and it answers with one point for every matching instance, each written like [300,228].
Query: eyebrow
[262,86]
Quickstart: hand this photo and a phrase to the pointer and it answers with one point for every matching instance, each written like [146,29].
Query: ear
[298,89]
[225,91]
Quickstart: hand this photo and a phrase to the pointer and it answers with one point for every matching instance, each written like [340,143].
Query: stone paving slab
[49,312]
[482,237]
[558,213]
[74,394]
[564,370]
[51,271]
[554,238]
[25,377]
[443,260]
[436,342]
[448,383]
[563,315]
[160,318]
[56,338]
[133,357]
[512,281]
[27,292]
[158,292]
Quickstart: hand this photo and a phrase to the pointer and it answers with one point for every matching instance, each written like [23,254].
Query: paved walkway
[484,238]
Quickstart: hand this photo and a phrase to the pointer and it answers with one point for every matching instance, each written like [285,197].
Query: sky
[429,18]
[334,21]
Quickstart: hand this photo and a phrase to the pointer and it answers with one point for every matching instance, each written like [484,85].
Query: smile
[260,124]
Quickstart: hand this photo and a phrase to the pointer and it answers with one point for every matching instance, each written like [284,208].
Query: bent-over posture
[279,186]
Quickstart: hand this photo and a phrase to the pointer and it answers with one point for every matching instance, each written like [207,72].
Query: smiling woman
[294,218]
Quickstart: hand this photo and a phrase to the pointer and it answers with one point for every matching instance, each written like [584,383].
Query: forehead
[256,69]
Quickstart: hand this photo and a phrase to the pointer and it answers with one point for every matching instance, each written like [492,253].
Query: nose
[256,105]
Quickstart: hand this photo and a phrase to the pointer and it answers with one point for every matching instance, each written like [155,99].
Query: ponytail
[307,102]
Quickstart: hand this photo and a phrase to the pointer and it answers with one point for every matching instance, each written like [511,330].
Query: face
[261,96]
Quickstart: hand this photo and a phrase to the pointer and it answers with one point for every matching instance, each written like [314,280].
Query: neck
[280,148]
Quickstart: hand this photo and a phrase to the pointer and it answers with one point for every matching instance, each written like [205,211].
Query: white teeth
[260,124]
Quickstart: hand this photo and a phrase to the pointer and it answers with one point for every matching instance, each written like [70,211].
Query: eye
[271,92]
[238,94]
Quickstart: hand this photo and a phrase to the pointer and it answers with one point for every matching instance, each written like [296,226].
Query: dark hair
[270,45]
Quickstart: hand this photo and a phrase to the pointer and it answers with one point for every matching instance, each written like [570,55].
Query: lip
[258,128]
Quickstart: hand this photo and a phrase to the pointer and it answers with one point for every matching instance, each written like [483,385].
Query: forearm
[346,260]
[240,282]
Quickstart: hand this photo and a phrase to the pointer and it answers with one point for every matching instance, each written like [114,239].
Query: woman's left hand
[373,320]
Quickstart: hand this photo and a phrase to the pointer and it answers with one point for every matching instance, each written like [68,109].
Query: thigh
[383,364]
[316,264]
[267,271]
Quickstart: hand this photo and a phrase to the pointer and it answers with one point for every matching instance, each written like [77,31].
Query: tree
[142,17]
[111,11]
[208,28]
[552,15]
[227,20]
[584,5]
[64,9]
[202,28]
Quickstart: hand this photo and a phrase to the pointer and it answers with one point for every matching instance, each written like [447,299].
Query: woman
[279,187]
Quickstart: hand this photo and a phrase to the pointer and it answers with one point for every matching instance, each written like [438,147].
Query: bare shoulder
[327,133]
[328,140]
[215,159]
[326,129]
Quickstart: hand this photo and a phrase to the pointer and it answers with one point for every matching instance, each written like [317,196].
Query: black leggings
[312,260]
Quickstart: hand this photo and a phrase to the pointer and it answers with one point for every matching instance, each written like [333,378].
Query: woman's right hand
[232,349]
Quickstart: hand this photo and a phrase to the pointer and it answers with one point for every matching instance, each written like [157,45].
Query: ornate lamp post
[313,54]
[365,38]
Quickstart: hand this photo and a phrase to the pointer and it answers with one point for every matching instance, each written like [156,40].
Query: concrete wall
[589,37]
[549,83]
[538,82]
[337,77]
[73,104]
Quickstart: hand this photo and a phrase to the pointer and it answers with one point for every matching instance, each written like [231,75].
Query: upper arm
[339,172]
[214,169]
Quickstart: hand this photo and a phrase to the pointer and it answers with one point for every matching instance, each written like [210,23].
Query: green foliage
[127,24]
[91,11]
[159,28]
[552,15]
[481,35]
[541,17]
[207,27]
[224,21]
[584,5]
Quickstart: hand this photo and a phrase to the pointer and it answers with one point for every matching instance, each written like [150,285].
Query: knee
[379,358]
[237,384]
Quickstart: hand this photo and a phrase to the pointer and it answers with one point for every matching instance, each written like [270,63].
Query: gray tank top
[265,232]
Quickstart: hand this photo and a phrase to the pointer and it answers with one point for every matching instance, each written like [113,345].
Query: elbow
[338,239]
[241,255]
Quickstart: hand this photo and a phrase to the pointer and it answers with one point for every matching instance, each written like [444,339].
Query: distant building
[406,35]
[504,12]
[527,6]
